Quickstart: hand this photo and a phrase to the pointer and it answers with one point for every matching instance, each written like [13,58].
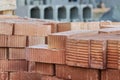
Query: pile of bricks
[80,54]
[52,57]
[32,49]
[15,35]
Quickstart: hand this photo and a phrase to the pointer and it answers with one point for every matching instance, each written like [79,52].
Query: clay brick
[98,52]
[17,53]
[41,53]
[17,41]
[42,68]
[85,74]
[88,51]
[3,76]
[53,26]
[63,71]
[79,26]
[6,65]
[103,24]
[6,28]
[77,52]
[110,30]
[110,74]
[3,53]
[93,25]
[35,40]
[113,54]
[58,40]
[85,25]
[25,76]
[31,29]
[50,78]
[75,73]
[61,27]
[3,40]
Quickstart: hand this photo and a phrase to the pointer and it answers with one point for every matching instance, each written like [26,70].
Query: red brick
[110,30]
[25,76]
[98,52]
[75,73]
[50,78]
[58,40]
[3,40]
[77,52]
[93,25]
[3,53]
[6,65]
[87,51]
[79,26]
[53,26]
[61,27]
[32,29]
[17,53]
[103,24]
[35,40]
[110,74]
[41,53]
[17,41]
[63,71]
[42,68]
[6,28]
[3,76]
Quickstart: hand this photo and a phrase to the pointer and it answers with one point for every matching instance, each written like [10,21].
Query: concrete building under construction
[59,10]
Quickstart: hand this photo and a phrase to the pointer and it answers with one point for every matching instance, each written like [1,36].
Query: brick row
[12,41]
[42,68]
[58,40]
[75,73]
[10,65]
[31,29]
[41,53]
[110,74]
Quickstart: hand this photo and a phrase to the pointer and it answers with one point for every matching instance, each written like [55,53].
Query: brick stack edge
[83,54]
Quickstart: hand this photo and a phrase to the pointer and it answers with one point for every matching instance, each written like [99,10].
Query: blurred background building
[59,10]
[63,10]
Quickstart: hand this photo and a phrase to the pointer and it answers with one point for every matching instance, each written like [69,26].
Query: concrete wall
[49,2]
[108,3]
[65,13]
[22,11]
[20,3]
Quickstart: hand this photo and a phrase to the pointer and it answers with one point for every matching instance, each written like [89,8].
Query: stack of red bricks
[99,52]
[78,55]
[50,59]
[70,55]
[15,35]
